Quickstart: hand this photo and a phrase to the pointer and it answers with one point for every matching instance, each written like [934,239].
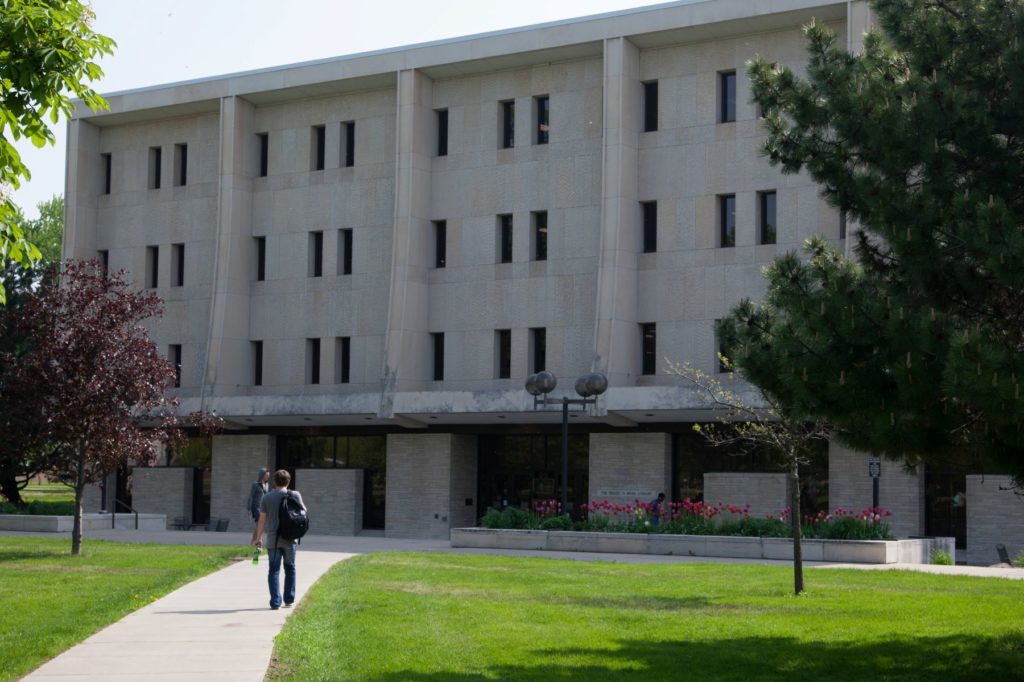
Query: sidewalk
[220,627]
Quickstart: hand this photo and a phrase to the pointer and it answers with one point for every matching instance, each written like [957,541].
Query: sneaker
[287,604]
[274,608]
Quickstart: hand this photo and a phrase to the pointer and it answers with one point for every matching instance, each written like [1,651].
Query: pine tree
[913,347]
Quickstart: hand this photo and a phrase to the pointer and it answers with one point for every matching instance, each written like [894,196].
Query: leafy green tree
[47,48]
[47,231]
[913,347]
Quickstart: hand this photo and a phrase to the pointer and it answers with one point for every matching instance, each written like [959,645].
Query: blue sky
[164,41]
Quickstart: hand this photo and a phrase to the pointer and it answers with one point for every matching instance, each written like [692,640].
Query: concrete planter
[65,524]
[913,551]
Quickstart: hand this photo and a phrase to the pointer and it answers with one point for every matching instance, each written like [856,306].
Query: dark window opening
[152,266]
[650,224]
[543,118]
[257,363]
[345,257]
[174,355]
[181,164]
[106,172]
[727,220]
[539,338]
[505,238]
[178,264]
[727,85]
[104,258]
[264,139]
[508,124]
[438,341]
[540,235]
[261,258]
[155,161]
[650,106]
[442,132]
[319,147]
[504,344]
[316,254]
[649,337]
[440,243]
[350,143]
[724,352]
[312,361]
[342,359]
[768,226]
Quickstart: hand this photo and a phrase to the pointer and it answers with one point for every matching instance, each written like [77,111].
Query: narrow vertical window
[174,355]
[650,225]
[648,345]
[727,103]
[508,123]
[440,243]
[318,143]
[155,161]
[104,259]
[438,341]
[312,361]
[503,352]
[766,217]
[264,144]
[650,106]
[342,359]
[257,363]
[349,128]
[442,132]
[540,235]
[106,172]
[316,254]
[727,220]
[538,348]
[345,251]
[181,165]
[261,258]
[505,238]
[723,352]
[152,266]
[177,265]
[542,105]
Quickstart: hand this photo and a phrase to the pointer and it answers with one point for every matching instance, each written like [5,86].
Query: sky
[166,41]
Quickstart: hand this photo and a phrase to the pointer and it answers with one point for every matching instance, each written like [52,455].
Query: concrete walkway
[221,628]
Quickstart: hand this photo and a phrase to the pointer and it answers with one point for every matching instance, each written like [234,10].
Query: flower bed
[692,518]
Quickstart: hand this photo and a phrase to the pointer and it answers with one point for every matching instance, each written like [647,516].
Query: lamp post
[588,386]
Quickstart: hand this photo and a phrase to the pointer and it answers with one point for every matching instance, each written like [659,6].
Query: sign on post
[875,467]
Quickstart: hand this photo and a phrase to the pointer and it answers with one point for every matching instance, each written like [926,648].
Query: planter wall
[64,524]
[913,551]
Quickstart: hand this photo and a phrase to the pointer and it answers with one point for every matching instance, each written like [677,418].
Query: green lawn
[53,600]
[405,616]
[48,492]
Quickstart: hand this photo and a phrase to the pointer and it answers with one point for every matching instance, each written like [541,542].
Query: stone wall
[236,460]
[428,476]
[163,490]
[334,498]
[900,492]
[625,467]
[995,515]
[765,493]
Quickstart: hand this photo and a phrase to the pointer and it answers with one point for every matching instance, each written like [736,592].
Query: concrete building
[363,258]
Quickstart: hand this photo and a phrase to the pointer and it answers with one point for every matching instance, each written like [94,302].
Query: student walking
[281,510]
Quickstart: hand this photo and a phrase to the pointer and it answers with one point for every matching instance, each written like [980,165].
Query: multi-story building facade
[363,258]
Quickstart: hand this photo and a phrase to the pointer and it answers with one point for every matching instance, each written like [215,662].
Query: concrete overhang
[499,50]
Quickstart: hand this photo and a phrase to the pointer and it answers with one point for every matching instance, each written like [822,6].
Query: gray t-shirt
[271,505]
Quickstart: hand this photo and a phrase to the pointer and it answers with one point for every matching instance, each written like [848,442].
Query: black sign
[875,467]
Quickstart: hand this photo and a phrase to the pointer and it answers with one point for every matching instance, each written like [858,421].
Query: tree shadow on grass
[966,657]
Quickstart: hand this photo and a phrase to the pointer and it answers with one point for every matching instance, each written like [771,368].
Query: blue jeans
[276,555]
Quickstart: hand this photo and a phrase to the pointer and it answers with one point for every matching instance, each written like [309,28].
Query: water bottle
[256,557]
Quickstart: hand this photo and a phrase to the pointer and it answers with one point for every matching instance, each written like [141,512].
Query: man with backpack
[283,517]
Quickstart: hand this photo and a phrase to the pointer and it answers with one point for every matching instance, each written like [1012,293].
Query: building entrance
[517,470]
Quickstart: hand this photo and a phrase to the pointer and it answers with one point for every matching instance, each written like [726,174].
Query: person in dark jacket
[256,492]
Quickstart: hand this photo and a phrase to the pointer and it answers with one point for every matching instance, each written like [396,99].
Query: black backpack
[292,519]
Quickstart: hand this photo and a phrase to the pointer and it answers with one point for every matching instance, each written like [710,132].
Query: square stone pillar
[431,484]
[334,498]
[625,467]
[995,515]
[236,460]
[900,491]
[163,490]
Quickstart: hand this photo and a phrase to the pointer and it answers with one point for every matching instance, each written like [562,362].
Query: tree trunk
[76,531]
[9,488]
[798,555]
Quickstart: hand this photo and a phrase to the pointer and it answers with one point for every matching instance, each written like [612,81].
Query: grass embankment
[54,600]
[43,498]
[461,617]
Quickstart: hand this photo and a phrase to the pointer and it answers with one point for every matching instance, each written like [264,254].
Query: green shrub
[940,557]
[560,522]
[1018,561]
[39,508]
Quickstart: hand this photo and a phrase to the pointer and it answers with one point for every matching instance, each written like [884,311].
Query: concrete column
[616,334]
[82,186]
[228,360]
[995,515]
[236,460]
[407,358]
[431,477]
[901,492]
[625,467]
[163,490]
[334,498]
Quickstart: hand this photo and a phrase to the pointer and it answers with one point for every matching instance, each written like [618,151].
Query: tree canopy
[912,348]
[47,48]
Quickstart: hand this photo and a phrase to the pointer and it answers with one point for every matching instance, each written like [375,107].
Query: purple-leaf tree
[93,381]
